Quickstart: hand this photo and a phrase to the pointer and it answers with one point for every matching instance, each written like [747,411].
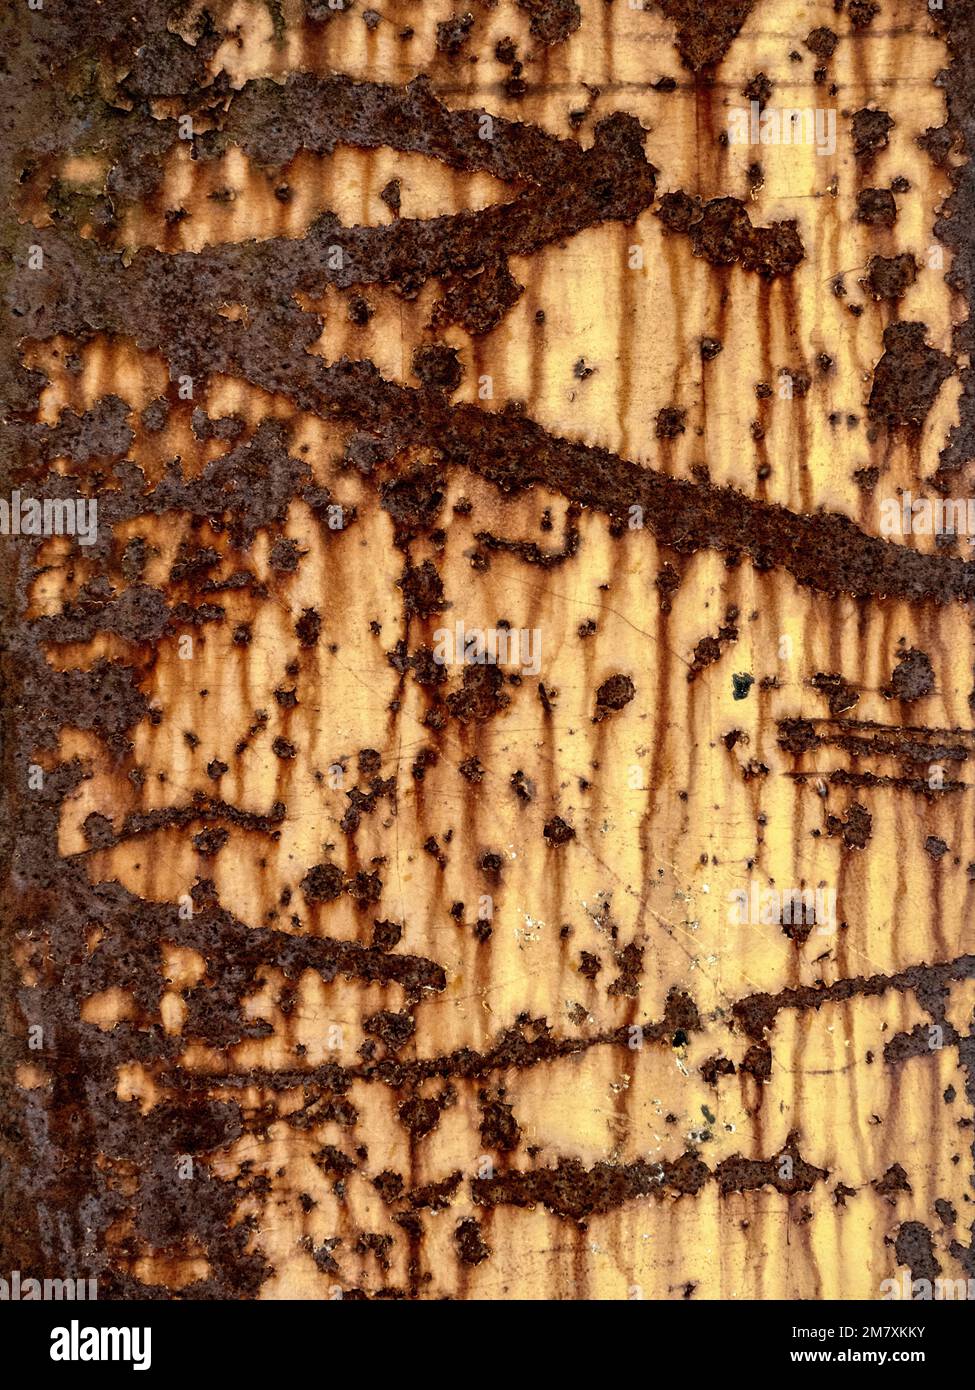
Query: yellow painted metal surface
[673,812]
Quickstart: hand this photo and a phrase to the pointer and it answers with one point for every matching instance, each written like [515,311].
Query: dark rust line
[758,1012]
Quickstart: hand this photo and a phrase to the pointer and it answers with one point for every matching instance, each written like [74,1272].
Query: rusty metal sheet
[488,650]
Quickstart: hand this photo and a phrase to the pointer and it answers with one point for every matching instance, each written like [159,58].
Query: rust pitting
[169,303]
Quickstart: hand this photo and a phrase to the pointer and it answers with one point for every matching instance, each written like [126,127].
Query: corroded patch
[486,782]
